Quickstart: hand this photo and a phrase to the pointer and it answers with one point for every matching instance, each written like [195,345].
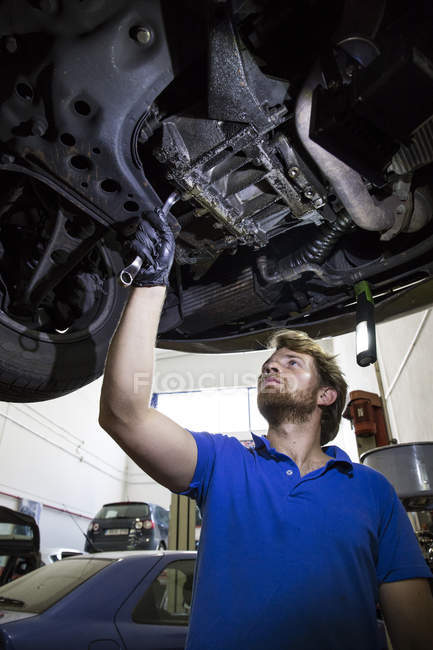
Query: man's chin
[277,406]
[272,406]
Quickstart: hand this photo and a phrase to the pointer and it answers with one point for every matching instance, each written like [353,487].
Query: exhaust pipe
[347,183]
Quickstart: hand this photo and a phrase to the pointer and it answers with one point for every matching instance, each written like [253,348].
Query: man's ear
[326,396]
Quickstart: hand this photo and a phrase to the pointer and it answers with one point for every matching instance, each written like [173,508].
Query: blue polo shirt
[291,562]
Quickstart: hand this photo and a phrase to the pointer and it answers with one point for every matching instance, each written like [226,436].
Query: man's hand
[154,242]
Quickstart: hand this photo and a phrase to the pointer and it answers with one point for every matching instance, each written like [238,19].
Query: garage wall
[55,452]
[140,487]
[405,351]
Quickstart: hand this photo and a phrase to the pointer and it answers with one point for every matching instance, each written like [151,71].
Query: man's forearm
[127,384]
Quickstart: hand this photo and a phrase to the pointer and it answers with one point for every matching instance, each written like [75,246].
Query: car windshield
[15,532]
[40,589]
[123,511]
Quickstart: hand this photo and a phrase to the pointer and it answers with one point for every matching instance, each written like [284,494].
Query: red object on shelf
[365,411]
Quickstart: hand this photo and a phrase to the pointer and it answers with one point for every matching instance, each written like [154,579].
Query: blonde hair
[329,375]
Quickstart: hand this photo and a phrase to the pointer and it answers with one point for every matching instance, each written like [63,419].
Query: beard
[278,406]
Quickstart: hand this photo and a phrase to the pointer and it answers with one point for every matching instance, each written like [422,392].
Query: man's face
[288,387]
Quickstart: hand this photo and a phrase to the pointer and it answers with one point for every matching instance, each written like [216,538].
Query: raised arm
[162,448]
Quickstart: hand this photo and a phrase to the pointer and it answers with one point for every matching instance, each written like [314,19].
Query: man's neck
[301,442]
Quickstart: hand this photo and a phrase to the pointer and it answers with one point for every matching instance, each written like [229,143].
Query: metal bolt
[308,192]
[142,35]
[293,172]
[39,127]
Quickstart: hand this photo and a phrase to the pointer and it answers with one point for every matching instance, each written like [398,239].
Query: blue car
[125,600]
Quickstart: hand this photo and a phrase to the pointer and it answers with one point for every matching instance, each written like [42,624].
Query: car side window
[168,599]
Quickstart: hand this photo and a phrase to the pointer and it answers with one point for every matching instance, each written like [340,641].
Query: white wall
[405,351]
[54,452]
[140,487]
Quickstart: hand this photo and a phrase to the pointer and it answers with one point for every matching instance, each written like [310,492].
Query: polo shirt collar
[336,454]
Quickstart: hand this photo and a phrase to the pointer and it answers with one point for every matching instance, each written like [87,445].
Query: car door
[156,615]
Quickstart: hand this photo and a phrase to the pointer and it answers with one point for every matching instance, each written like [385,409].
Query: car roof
[131,503]
[127,555]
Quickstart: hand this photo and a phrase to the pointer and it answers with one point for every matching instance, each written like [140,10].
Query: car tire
[37,366]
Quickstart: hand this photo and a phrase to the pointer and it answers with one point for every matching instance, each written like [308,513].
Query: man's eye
[293,362]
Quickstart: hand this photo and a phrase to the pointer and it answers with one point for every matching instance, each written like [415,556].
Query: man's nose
[269,368]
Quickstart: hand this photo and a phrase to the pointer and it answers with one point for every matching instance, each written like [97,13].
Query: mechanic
[298,544]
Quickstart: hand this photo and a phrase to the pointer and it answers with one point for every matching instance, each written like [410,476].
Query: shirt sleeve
[399,553]
[207,449]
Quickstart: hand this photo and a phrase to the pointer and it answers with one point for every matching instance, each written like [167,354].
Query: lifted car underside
[298,134]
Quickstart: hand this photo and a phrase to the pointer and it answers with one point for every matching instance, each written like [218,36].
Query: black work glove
[154,242]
